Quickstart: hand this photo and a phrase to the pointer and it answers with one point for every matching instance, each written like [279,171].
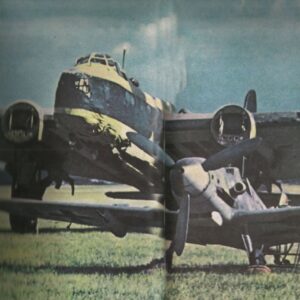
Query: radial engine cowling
[232,124]
[22,122]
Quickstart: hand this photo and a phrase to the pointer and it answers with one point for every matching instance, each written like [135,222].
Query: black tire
[21,224]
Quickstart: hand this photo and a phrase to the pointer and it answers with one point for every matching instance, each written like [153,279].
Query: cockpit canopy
[101,59]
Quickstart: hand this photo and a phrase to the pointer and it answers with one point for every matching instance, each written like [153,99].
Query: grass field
[82,263]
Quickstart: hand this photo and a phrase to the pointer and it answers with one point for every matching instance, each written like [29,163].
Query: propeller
[182,198]
[150,148]
[235,153]
[225,157]
[182,225]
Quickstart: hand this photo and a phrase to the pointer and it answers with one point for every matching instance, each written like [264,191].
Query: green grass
[85,264]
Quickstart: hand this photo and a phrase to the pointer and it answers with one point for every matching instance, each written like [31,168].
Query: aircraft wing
[281,132]
[188,135]
[118,219]
[271,226]
[272,199]
[271,215]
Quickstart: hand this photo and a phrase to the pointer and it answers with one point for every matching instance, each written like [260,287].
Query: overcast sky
[198,54]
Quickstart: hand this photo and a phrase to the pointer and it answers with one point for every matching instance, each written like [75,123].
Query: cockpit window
[103,59]
[120,72]
[98,60]
[82,60]
[111,63]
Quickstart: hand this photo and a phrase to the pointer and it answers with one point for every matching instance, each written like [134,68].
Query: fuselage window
[83,86]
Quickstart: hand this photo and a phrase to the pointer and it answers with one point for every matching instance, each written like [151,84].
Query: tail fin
[250,101]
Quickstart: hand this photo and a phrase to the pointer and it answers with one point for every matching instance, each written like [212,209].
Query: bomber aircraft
[207,170]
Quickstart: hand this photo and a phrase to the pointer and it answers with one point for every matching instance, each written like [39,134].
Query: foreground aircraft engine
[193,184]
[190,180]
[22,122]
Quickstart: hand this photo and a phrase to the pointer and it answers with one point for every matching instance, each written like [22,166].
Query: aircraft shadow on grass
[92,269]
[56,230]
[130,270]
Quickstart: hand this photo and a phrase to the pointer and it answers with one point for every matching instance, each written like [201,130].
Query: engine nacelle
[22,122]
[232,124]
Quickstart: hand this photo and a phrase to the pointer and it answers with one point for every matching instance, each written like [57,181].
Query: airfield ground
[84,264]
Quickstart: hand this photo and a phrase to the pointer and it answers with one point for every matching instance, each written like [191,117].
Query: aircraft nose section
[73,90]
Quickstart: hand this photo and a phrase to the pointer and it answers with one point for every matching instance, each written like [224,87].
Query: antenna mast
[123,60]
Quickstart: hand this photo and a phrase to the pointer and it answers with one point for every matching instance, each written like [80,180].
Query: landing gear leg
[169,259]
[256,257]
[257,262]
[34,190]
[280,258]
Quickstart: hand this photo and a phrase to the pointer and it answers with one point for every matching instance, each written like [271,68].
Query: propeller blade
[250,102]
[151,148]
[235,153]
[182,224]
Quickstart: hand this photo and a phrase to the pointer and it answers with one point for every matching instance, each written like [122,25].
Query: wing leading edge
[273,223]
[272,226]
[118,219]
[284,215]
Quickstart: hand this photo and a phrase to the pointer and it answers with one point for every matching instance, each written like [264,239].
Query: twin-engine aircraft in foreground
[206,170]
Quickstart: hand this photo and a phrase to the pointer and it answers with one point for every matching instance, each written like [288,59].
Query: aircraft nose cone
[189,177]
[195,179]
